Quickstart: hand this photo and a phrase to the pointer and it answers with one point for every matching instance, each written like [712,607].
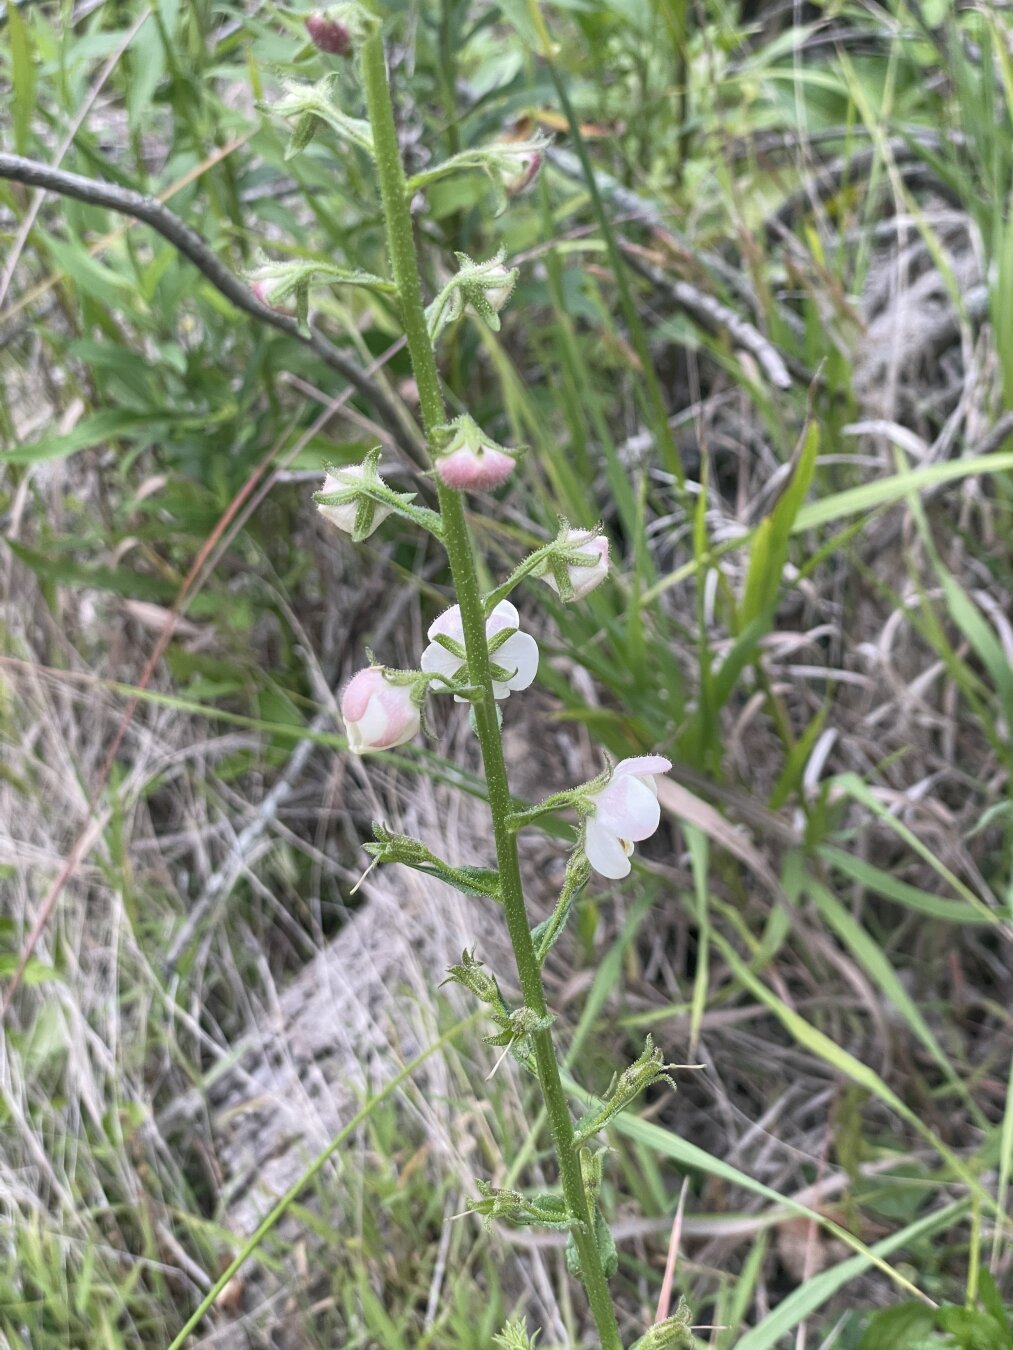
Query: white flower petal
[519,653]
[641,765]
[436,660]
[503,616]
[628,807]
[605,852]
[449,624]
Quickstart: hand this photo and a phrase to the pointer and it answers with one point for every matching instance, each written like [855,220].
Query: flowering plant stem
[458,544]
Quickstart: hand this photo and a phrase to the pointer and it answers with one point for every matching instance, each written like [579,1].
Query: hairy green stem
[457,541]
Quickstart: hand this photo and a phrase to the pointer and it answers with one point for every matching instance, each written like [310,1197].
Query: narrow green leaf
[23,76]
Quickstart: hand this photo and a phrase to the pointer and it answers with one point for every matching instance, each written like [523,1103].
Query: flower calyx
[650,1068]
[482,287]
[515,1026]
[672,1334]
[576,563]
[355,499]
[468,459]
[311,106]
[274,283]
[514,1336]
[526,1211]
[340,29]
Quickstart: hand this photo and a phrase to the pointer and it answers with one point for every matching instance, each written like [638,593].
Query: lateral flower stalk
[311,106]
[511,166]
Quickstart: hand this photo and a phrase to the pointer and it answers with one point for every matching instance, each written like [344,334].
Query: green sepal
[402,848]
[311,104]
[649,1068]
[514,1336]
[302,133]
[471,975]
[672,1334]
[604,1241]
[526,1211]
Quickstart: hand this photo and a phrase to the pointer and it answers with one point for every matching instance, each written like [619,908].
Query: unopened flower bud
[378,713]
[473,470]
[497,286]
[347,515]
[529,164]
[328,35]
[580,578]
[468,459]
[261,290]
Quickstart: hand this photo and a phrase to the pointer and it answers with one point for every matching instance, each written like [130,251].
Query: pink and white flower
[518,655]
[378,713]
[474,469]
[584,578]
[625,811]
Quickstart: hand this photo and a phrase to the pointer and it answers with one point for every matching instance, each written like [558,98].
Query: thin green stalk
[457,541]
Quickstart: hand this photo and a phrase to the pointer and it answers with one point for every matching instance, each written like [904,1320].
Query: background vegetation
[781,209]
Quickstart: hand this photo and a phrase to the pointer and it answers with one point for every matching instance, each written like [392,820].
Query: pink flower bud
[328,35]
[475,469]
[262,292]
[529,165]
[377,713]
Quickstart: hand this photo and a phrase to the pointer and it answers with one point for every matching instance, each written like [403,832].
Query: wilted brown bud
[328,35]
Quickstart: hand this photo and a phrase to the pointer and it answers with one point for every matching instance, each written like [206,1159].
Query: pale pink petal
[377,713]
[468,469]
[605,852]
[503,616]
[358,691]
[628,808]
[449,624]
[641,765]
